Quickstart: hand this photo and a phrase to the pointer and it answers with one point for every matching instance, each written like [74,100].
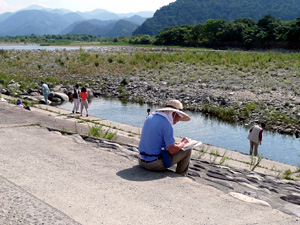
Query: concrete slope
[62,179]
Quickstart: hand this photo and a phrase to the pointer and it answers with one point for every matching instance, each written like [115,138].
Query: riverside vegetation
[236,86]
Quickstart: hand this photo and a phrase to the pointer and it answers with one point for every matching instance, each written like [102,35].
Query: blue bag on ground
[166,158]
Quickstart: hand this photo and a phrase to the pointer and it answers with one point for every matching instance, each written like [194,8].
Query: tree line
[51,38]
[268,32]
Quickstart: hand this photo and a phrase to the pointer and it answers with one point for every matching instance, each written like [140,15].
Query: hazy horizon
[114,6]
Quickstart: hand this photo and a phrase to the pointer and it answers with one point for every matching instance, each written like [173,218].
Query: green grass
[24,101]
[97,131]
[255,161]
[224,113]
[224,158]
[287,175]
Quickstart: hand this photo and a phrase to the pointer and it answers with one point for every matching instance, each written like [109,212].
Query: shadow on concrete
[137,173]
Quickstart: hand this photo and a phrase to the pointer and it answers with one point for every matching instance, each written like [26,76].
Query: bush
[110,60]
[97,131]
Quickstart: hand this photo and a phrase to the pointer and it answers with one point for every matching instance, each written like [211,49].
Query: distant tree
[270,30]
[181,35]
[217,31]
[197,34]
[245,21]
[293,31]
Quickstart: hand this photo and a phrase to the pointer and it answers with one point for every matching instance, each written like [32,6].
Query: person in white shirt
[255,137]
[46,91]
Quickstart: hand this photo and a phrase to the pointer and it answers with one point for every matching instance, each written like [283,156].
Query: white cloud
[40,4]
[4,7]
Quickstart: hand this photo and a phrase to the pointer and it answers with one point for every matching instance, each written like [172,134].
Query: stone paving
[17,206]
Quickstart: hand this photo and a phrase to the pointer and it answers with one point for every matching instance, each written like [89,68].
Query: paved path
[50,178]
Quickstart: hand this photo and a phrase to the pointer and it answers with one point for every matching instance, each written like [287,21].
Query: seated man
[22,105]
[157,134]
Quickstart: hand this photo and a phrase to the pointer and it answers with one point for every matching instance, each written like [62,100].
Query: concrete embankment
[51,178]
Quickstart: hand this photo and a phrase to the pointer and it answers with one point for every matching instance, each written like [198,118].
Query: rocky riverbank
[244,95]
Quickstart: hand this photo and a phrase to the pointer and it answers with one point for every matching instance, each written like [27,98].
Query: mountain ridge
[39,20]
[191,12]
[111,28]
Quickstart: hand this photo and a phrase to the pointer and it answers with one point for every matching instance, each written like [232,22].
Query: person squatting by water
[20,104]
[46,91]
[255,137]
[157,140]
[84,102]
[76,98]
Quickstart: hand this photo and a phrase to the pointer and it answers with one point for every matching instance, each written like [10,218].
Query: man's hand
[172,149]
[186,140]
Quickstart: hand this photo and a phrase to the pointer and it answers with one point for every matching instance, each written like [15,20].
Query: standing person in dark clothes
[76,98]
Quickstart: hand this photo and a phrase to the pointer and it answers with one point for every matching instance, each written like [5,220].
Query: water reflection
[274,146]
[37,47]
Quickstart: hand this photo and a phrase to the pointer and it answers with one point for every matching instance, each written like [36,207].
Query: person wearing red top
[84,102]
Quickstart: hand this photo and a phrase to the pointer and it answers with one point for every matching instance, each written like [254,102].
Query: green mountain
[36,22]
[136,19]
[191,12]
[94,27]
[122,28]
[84,27]
[111,28]
[4,16]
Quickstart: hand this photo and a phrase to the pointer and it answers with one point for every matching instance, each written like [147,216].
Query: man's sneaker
[72,112]
[78,112]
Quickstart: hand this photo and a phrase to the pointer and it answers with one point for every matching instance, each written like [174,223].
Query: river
[38,47]
[278,147]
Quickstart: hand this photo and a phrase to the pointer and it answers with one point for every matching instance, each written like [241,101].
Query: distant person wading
[255,137]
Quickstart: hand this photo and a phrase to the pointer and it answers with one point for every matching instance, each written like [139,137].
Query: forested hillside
[122,28]
[191,12]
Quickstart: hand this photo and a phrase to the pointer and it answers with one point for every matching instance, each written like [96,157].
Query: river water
[278,147]
[37,47]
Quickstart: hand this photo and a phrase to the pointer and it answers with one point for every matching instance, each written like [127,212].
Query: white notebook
[191,145]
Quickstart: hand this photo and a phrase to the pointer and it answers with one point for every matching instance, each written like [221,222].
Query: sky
[115,6]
